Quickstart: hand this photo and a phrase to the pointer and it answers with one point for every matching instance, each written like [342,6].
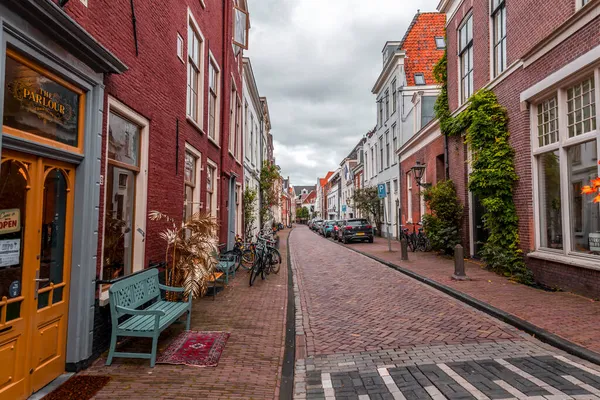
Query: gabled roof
[298,189]
[419,44]
[323,181]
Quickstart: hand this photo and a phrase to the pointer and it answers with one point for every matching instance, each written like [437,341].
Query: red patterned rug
[198,349]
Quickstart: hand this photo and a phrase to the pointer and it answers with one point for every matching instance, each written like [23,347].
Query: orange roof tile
[323,181]
[419,44]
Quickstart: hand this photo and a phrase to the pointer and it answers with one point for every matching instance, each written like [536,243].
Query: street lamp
[419,170]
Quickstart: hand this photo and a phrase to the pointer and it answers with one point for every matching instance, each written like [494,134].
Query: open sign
[10,221]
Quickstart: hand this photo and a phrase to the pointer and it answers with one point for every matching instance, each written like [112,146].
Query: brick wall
[527,24]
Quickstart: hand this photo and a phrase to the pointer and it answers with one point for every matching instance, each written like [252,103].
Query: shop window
[566,159]
[125,192]
[40,106]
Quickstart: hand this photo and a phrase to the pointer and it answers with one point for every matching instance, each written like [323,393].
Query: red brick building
[542,60]
[142,110]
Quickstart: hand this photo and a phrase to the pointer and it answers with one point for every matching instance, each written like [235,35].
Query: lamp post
[418,171]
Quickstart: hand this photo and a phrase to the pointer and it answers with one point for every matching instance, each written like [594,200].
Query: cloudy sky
[316,62]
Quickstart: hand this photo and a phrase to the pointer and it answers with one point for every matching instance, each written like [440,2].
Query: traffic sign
[381,191]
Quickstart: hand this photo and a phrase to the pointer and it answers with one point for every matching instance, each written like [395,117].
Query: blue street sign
[343,208]
[381,190]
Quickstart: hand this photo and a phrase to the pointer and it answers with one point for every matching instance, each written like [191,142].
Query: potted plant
[191,253]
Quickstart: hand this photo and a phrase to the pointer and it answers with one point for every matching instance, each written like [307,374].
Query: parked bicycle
[268,259]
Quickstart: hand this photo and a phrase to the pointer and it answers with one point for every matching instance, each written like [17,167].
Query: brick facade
[155,86]
[529,25]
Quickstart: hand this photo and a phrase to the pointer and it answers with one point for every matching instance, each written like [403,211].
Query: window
[394,100]
[427,109]
[394,140]
[125,191]
[581,3]
[232,120]
[581,108]
[380,116]
[566,160]
[180,47]
[419,79]
[499,35]
[409,209]
[388,212]
[372,163]
[252,139]
[195,72]
[191,178]
[387,105]
[211,193]
[381,153]
[213,99]
[547,115]
[395,186]
[440,42]
[247,138]
[387,149]
[465,34]
[238,129]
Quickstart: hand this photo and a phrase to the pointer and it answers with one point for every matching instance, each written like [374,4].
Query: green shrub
[442,226]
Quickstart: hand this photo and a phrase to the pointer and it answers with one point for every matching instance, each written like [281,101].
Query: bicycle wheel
[275,261]
[412,243]
[254,272]
[248,259]
[265,266]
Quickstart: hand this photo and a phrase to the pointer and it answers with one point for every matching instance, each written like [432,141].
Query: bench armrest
[170,288]
[131,311]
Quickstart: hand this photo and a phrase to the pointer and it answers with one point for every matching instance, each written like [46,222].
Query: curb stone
[286,390]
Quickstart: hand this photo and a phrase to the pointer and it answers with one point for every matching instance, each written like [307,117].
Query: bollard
[403,249]
[459,264]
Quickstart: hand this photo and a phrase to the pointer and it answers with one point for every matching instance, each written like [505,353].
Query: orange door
[36,201]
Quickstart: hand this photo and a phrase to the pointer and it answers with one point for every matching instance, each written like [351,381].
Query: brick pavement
[570,316]
[250,367]
[370,332]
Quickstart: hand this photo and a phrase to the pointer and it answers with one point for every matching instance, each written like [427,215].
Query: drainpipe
[223,114]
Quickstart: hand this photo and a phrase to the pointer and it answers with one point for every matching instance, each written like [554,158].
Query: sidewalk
[574,318]
[250,366]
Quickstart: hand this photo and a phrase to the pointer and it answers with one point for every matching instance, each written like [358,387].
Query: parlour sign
[37,104]
[10,221]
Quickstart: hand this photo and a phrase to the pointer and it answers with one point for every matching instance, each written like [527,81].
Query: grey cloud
[316,62]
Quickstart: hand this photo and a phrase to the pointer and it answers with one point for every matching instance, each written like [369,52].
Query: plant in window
[191,252]
[593,188]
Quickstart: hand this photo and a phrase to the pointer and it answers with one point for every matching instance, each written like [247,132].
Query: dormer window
[419,79]
[440,42]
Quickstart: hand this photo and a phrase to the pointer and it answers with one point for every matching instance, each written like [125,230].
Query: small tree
[302,214]
[248,206]
[270,197]
[367,201]
[442,225]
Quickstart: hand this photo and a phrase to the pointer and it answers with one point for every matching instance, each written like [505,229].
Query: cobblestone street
[365,331]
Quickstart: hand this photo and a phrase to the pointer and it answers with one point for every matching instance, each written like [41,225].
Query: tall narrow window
[394,140]
[232,121]
[499,26]
[387,149]
[372,163]
[380,119]
[194,72]
[381,163]
[252,139]
[394,103]
[465,34]
[548,122]
[213,103]
[191,187]
[210,190]
[238,130]
[387,105]
[247,141]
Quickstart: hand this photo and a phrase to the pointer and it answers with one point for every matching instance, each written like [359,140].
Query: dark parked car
[356,229]
[337,228]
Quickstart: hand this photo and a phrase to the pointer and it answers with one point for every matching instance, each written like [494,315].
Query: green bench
[127,296]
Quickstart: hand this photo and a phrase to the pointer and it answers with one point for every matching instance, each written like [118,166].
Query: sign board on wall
[381,190]
[10,220]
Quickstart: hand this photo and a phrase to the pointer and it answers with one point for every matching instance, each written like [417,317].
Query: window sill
[213,141]
[195,125]
[572,260]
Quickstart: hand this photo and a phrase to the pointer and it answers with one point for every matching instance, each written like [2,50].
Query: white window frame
[468,51]
[582,3]
[199,122]
[141,187]
[394,95]
[387,104]
[498,12]
[214,200]
[212,63]
[566,254]
[180,48]
[197,192]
